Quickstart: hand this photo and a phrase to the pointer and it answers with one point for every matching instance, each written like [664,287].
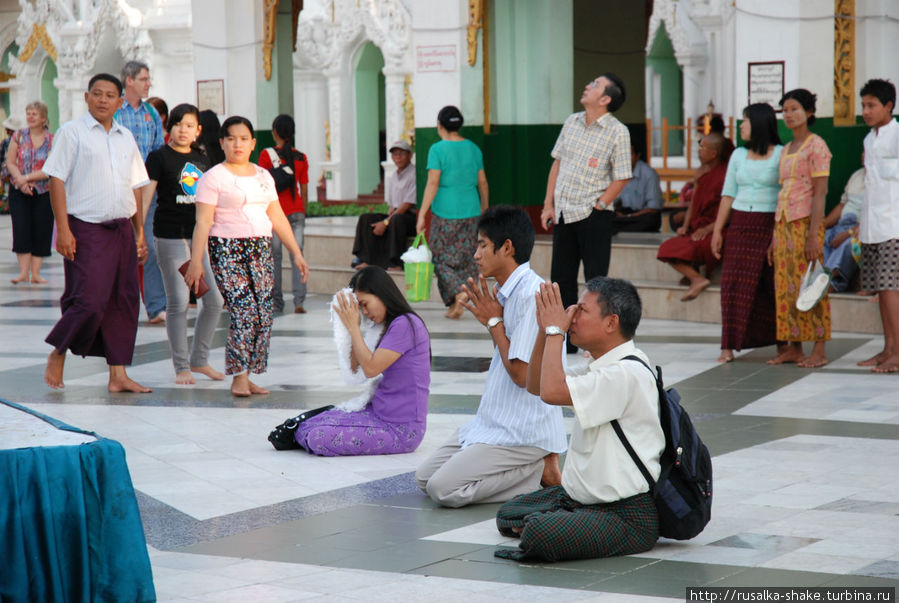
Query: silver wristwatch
[554,330]
[493,321]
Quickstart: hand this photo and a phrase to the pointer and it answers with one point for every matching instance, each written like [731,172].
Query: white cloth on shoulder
[371,333]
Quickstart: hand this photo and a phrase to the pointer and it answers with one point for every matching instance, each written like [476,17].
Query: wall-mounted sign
[766,83]
[211,95]
[435,58]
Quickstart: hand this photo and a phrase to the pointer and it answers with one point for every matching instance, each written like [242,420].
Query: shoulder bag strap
[273,155]
[620,432]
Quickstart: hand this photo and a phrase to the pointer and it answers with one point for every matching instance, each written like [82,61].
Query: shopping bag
[814,286]
[418,269]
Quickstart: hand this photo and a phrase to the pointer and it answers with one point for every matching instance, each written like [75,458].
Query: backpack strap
[620,432]
[275,158]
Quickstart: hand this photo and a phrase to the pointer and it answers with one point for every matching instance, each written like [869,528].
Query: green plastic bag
[418,274]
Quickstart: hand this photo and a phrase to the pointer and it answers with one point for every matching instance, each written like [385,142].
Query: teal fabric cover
[459,162]
[71,528]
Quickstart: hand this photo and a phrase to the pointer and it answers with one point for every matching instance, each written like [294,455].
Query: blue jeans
[154,290]
[297,224]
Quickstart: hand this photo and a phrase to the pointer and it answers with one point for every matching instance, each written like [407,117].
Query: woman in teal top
[456,193]
[748,201]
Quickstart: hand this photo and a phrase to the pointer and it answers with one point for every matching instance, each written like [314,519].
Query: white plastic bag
[371,333]
[814,286]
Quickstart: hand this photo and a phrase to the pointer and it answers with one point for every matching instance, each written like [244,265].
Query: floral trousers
[244,274]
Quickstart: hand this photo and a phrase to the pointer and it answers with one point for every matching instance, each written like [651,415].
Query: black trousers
[384,250]
[32,222]
[650,222]
[588,241]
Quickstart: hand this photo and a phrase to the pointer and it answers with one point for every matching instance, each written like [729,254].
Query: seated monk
[692,245]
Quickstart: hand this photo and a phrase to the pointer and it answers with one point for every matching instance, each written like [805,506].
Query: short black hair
[805,98]
[180,111]
[106,77]
[882,90]
[762,127]
[618,296]
[450,118]
[615,91]
[504,222]
[233,121]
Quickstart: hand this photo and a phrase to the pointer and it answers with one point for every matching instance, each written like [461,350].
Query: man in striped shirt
[145,124]
[592,165]
[513,443]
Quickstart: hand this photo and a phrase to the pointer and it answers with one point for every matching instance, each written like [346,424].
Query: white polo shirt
[598,468]
[879,219]
[100,169]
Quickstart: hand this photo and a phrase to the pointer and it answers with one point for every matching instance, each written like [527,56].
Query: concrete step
[329,242]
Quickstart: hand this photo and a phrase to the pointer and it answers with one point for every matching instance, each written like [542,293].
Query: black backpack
[683,492]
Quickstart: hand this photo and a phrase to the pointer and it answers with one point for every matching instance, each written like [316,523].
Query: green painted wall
[610,35]
[661,60]
[533,60]
[282,59]
[369,116]
[50,94]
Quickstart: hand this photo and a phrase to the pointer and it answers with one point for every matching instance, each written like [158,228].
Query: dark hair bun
[450,118]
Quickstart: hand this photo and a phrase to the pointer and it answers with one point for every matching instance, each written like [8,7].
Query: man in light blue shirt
[145,124]
[639,206]
[512,444]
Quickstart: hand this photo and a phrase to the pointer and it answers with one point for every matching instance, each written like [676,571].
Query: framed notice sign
[766,83]
[211,95]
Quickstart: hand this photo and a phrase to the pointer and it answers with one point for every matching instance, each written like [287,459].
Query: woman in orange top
[799,232]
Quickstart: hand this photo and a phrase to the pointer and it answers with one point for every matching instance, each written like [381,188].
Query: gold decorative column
[844,63]
[270,28]
[475,22]
[408,113]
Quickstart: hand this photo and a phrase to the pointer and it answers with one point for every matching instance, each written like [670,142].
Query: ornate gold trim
[270,29]
[408,112]
[475,22]
[40,36]
[844,63]
[327,140]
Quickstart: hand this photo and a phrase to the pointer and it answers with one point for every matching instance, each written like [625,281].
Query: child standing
[879,223]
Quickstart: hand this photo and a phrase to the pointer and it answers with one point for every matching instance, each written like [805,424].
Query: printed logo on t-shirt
[188,180]
[593,162]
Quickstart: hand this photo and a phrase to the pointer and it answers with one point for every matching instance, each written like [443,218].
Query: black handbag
[283,437]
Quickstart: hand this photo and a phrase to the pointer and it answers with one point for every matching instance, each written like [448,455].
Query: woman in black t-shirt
[174,170]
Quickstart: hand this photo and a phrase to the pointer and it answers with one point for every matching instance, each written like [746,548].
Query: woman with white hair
[29,195]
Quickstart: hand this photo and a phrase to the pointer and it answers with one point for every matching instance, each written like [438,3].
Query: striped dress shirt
[100,169]
[591,158]
[508,415]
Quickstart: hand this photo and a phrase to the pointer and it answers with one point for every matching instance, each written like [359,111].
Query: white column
[394,83]
[310,101]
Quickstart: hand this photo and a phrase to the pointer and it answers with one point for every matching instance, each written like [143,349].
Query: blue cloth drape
[70,528]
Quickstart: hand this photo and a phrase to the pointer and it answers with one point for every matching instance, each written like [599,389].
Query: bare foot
[126,384]
[53,372]
[209,372]
[875,360]
[813,361]
[184,378]
[695,289]
[889,365]
[158,319]
[257,390]
[240,391]
[726,356]
[19,279]
[37,280]
[789,355]
[552,476]
[360,266]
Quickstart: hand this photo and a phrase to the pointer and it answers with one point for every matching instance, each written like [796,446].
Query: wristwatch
[600,206]
[493,321]
[554,330]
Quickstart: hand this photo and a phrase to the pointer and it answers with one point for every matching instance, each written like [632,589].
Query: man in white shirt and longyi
[603,507]
[95,171]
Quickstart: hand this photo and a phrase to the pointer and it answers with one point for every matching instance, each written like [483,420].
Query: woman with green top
[457,190]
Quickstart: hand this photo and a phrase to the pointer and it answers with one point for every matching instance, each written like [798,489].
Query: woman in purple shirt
[394,421]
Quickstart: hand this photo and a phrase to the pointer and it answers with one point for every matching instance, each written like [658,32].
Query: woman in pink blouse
[237,210]
[799,232]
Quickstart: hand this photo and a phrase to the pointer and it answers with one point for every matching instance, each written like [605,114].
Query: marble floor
[803,493]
